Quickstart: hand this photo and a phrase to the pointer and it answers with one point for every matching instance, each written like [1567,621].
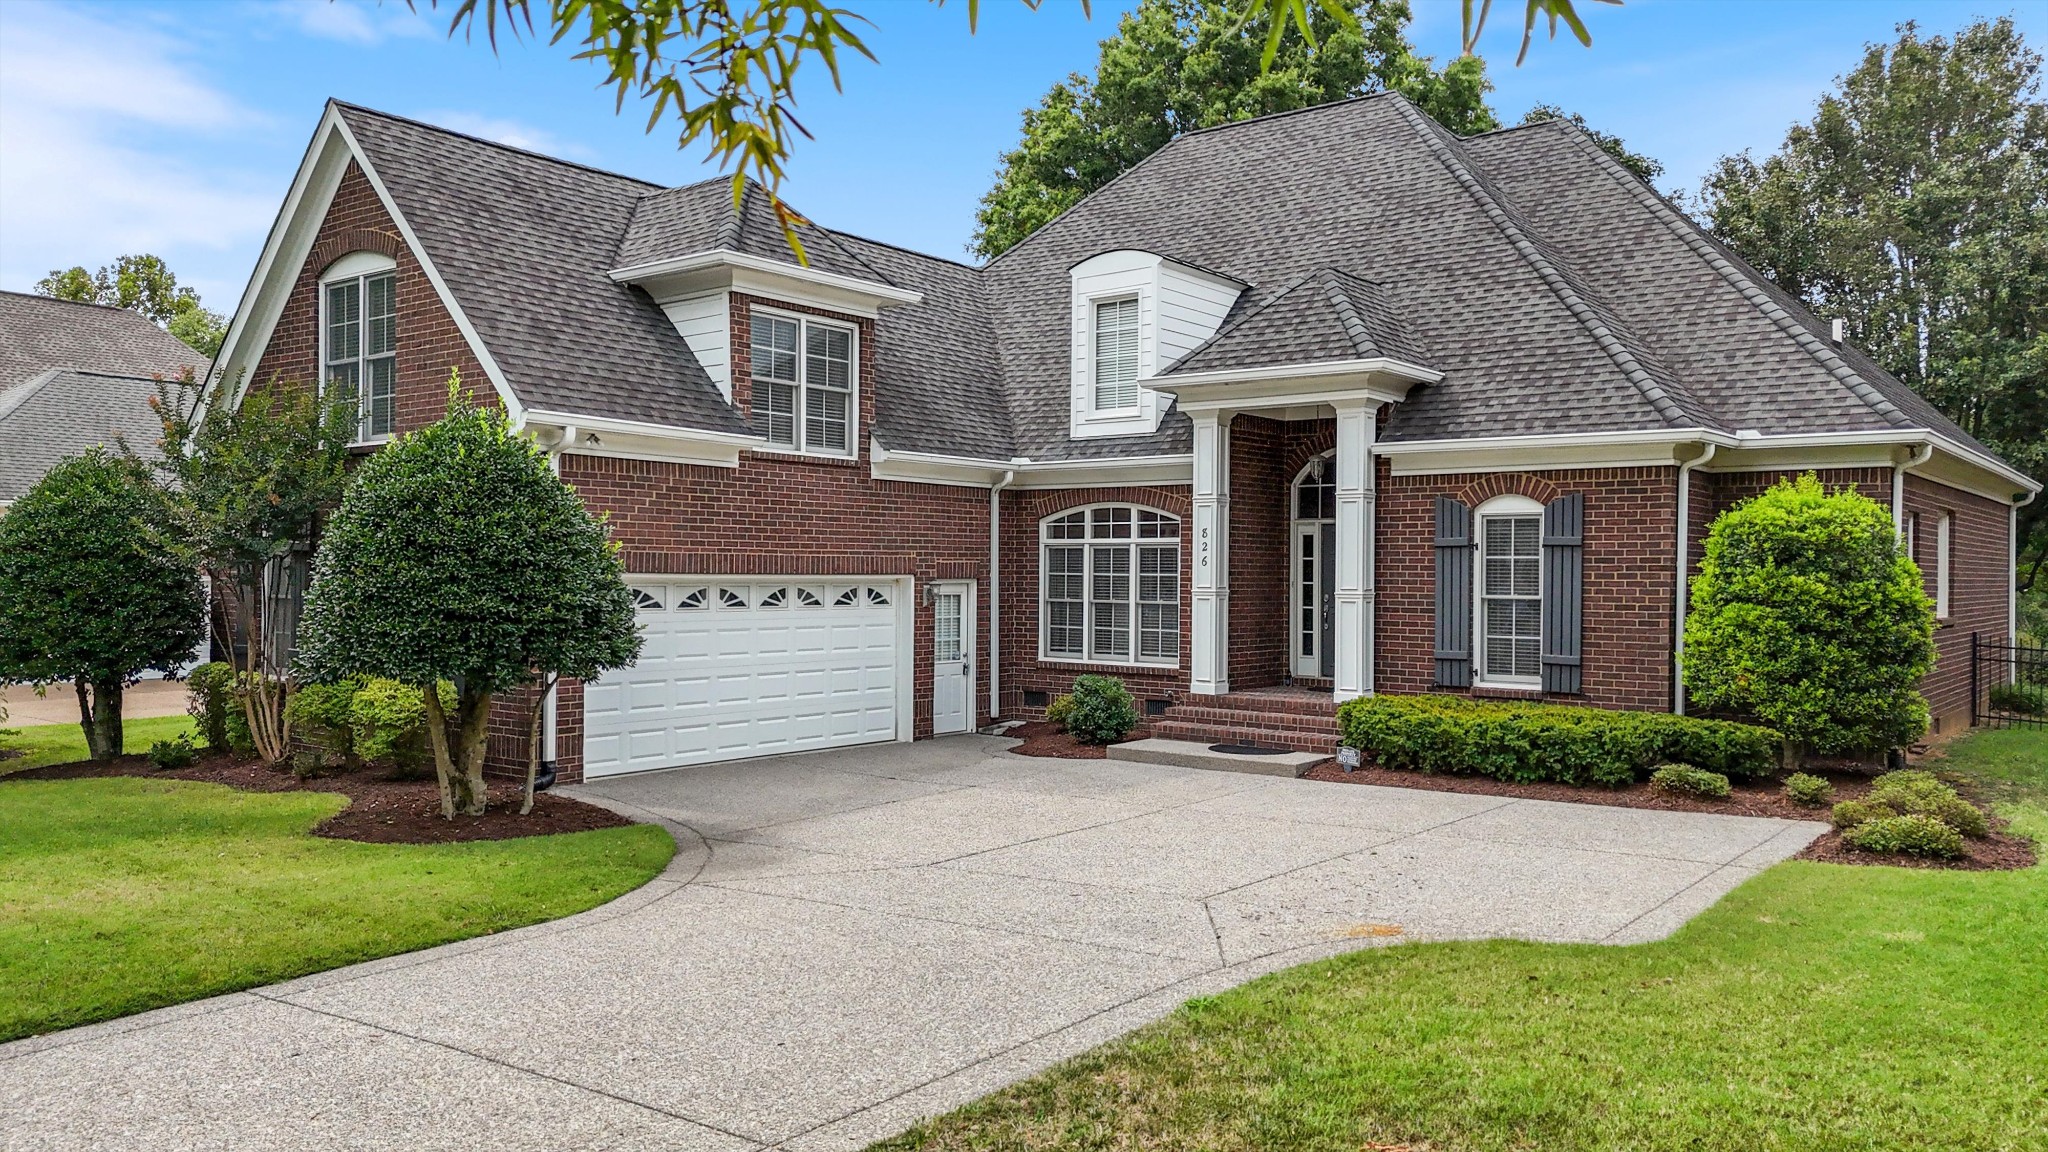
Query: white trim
[1679,601]
[1298,529]
[356,264]
[1502,507]
[1318,370]
[633,440]
[772,276]
[1943,526]
[975,472]
[970,651]
[357,268]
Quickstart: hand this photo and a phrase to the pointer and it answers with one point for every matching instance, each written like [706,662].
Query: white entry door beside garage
[752,666]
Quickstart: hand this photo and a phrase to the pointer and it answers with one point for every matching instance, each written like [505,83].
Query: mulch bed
[1745,798]
[1042,738]
[381,810]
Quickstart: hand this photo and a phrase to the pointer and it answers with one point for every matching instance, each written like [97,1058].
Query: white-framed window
[805,383]
[1509,590]
[1116,354]
[1942,537]
[1110,586]
[359,338]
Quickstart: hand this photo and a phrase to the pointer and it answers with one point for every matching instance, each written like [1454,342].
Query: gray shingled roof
[1553,291]
[61,413]
[524,243]
[38,333]
[1314,318]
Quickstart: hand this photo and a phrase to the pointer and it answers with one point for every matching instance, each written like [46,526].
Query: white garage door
[731,669]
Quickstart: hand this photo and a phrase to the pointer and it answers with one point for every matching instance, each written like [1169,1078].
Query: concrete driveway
[849,941]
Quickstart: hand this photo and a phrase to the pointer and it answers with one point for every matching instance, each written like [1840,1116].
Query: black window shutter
[1453,594]
[1563,584]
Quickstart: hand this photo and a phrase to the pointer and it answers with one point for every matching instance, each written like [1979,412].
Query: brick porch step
[1302,721]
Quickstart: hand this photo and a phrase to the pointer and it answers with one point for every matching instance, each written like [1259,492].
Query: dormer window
[1116,355]
[804,383]
[359,338]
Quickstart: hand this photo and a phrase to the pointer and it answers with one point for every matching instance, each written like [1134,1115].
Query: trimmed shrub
[1060,710]
[1103,711]
[388,724]
[1686,780]
[319,716]
[1910,793]
[171,755]
[1851,813]
[209,698]
[1528,743]
[1808,616]
[1912,834]
[2025,699]
[239,738]
[1807,790]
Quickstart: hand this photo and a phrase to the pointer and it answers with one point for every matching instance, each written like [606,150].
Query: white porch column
[1356,425]
[1209,671]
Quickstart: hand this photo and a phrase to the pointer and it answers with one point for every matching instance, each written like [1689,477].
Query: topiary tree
[1808,615]
[458,555]
[91,590]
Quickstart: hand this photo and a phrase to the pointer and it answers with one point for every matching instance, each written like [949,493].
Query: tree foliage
[1645,168]
[143,284]
[458,555]
[90,590]
[249,478]
[1808,616]
[727,69]
[1178,65]
[1914,205]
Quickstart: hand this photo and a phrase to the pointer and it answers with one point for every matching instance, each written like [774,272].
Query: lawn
[1817,1006]
[126,893]
[46,744]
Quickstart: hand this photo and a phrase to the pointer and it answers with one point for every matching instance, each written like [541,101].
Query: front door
[952,657]
[1314,599]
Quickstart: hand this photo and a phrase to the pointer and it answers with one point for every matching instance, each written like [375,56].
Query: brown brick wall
[430,346]
[1980,573]
[1630,542]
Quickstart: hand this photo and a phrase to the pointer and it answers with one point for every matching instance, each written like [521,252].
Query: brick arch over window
[1036,506]
[1495,484]
[341,242]
[1307,446]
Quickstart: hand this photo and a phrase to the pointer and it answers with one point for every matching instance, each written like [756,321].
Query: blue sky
[174,127]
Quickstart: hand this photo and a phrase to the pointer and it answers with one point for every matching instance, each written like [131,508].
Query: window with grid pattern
[1111,586]
[1511,598]
[1116,355]
[804,383]
[359,347]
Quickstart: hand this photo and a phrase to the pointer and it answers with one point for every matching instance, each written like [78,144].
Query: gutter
[1684,566]
[550,754]
[995,594]
[1921,455]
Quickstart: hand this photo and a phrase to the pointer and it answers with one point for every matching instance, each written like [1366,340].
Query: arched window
[359,337]
[1109,587]
[1509,590]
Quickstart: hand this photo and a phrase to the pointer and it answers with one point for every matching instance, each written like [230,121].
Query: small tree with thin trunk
[91,590]
[458,555]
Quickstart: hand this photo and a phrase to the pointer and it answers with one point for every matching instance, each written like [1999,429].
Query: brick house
[1302,408]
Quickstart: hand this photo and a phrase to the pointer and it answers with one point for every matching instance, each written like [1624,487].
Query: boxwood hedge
[1529,742]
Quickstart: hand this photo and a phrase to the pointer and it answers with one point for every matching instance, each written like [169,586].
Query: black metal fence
[2008,683]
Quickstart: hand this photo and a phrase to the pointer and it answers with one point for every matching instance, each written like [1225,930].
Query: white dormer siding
[1178,307]
[705,322]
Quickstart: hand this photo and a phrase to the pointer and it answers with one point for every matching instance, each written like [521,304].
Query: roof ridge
[79,303]
[18,395]
[735,225]
[1525,244]
[489,143]
[1730,269]
[1286,286]
[1170,145]
[1347,312]
[905,249]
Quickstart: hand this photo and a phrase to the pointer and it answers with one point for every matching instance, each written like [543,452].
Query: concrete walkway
[849,941]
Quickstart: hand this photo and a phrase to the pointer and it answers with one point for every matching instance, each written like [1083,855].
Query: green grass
[1818,1006]
[122,894]
[47,744]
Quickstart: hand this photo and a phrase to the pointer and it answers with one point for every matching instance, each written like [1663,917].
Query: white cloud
[504,131]
[356,22]
[106,134]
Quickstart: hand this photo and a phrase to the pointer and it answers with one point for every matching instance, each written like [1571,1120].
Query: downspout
[1920,456]
[2012,583]
[1684,564]
[995,590]
[549,753]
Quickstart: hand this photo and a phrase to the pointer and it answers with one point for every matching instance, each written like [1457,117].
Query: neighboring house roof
[63,413]
[73,376]
[1552,291]
[38,333]
[1323,316]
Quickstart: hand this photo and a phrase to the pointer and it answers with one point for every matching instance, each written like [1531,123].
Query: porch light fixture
[1317,468]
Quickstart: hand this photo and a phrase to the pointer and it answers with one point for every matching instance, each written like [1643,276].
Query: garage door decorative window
[1110,586]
